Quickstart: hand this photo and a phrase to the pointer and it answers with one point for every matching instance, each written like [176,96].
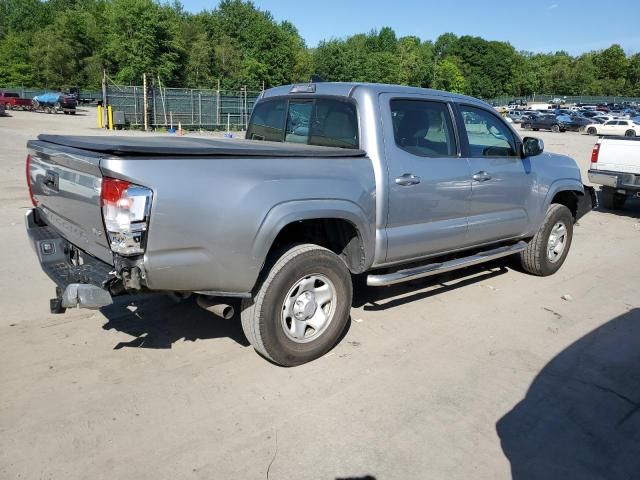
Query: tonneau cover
[165,145]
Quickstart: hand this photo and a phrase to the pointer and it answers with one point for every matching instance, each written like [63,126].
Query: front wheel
[526,126]
[555,128]
[592,131]
[630,133]
[300,306]
[548,249]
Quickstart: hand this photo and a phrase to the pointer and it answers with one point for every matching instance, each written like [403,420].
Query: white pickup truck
[615,164]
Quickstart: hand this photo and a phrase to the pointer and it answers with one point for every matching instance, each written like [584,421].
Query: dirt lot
[485,374]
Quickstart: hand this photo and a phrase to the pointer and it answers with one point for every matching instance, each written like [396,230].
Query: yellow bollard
[110,117]
[100,125]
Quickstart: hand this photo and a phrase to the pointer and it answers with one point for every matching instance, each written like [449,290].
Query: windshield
[11,95]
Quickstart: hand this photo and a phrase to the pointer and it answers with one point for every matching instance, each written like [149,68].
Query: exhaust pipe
[223,310]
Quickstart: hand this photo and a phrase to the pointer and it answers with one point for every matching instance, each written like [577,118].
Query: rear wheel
[630,133]
[555,128]
[526,126]
[300,306]
[611,199]
[592,131]
[548,249]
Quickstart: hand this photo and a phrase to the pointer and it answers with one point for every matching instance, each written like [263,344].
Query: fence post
[218,104]
[200,109]
[193,107]
[145,102]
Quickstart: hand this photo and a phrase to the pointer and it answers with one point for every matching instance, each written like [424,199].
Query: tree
[449,78]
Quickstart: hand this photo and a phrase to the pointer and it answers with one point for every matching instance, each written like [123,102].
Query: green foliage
[61,43]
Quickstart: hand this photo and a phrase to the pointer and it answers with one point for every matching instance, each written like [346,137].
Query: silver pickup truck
[333,180]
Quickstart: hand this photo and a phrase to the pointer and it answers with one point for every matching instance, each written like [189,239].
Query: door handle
[481,176]
[407,180]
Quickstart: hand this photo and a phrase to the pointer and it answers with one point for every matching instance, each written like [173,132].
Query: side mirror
[532,146]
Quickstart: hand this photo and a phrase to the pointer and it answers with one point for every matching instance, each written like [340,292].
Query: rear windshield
[327,122]
[10,94]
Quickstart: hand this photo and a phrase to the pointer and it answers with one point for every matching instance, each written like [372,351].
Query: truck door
[502,181]
[429,183]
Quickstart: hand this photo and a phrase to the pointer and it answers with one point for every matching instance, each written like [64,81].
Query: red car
[12,101]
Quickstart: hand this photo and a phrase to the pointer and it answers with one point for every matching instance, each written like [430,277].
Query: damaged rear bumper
[82,280]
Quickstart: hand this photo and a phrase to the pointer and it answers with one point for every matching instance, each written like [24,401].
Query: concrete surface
[484,374]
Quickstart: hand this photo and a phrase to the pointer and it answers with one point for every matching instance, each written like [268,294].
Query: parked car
[590,113]
[55,102]
[615,164]
[13,101]
[576,123]
[517,115]
[334,180]
[628,128]
[544,122]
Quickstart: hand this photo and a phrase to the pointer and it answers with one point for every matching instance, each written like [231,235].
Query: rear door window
[423,128]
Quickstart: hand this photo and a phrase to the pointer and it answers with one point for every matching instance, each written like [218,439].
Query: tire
[264,316]
[630,133]
[592,131]
[555,128]
[535,129]
[535,259]
[612,200]
[526,126]
[73,112]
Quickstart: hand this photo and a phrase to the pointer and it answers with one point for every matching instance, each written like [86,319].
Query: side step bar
[437,268]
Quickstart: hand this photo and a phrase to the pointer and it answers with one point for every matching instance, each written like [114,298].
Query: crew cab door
[429,184]
[502,181]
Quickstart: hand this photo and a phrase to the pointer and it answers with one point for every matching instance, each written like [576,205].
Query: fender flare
[288,212]
[561,185]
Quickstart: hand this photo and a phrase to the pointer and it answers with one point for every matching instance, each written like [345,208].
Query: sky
[537,26]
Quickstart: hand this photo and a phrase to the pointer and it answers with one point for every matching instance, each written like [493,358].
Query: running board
[436,268]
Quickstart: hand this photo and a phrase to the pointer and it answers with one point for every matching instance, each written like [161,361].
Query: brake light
[125,209]
[595,152]
[28,168]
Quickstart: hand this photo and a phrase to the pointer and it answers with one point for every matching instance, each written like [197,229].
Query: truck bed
[189,146]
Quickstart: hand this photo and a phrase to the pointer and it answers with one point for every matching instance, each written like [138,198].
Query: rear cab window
[321,121]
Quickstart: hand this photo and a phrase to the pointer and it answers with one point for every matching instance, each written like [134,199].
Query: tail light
[125,208]
[595,152]
[28,168]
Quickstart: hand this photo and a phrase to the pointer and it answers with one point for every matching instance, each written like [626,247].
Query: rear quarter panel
[213,219]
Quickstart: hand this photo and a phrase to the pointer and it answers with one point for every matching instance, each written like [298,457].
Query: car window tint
[298,121]
[334,124]
[267,121]
[423,128]
[488,135]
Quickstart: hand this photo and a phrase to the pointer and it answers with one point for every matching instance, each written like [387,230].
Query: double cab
[334,181]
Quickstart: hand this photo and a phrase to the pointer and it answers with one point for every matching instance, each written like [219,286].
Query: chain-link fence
[191,108]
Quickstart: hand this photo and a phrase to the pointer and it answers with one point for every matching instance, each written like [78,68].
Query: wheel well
[338,235]
[569,199]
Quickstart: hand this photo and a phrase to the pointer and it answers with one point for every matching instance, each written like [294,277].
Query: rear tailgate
[619,155]
[66,184]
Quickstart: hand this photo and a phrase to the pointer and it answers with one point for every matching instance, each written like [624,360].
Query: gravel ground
[482,374]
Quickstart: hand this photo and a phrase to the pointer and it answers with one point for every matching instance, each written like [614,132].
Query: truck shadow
[631,208]
[382,298]
[157,321]
[580,418]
